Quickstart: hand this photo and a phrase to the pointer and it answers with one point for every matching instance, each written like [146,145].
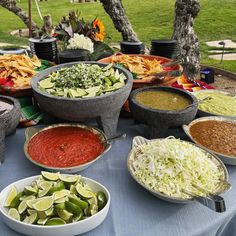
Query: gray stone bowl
[10,119]
[8,122]
[105,108]
[159,121]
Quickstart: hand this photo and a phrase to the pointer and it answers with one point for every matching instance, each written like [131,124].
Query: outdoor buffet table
[133,211]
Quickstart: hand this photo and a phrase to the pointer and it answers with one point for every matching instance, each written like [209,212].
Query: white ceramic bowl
[230,160]
[76,228]
[137,141]
[202,113]
[33,131]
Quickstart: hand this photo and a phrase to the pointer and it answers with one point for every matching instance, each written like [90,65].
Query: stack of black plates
[164,48]
[128,47]
[44,49]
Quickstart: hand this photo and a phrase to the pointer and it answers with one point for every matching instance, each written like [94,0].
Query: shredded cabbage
[171,165]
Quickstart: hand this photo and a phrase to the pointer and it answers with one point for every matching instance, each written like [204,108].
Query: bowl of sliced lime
[54,204]
[80,91]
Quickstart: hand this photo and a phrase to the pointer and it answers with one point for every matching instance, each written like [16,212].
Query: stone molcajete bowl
[159,121]
[105,108]
[9,119]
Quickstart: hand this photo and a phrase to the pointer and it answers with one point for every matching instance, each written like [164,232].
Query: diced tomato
[9,83]
[3,81]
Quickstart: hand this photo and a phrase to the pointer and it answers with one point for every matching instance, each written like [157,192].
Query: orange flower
[99,30]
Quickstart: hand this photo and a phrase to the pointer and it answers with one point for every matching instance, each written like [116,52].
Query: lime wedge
[60,206]
[12,194]
[31,211]
[28,190]
[45,184]
[59,186]
[93,200]
[68,178]
[16,201]
[31,219]
[22,207]
[60,194]
[25,198]
[42,221]
[83,192]
[43,192]
[46,83]
[81,92]
[118,85]
[73,189]
[73,208]
[93,209]
[44,203]
[64,214]
[14,213]
[78,218]
[50,175]
[93,90]
[102,200]
[31,202]
[55,221]
[61,200]
[45,214]
[82,204]
[34,184]
[74,94]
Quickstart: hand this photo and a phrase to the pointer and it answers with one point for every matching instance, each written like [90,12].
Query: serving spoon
[119,136]
[212,201]
[198,102]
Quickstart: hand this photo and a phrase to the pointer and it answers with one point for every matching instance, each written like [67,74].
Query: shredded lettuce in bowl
[170,166]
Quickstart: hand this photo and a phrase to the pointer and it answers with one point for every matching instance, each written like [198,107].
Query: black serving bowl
[159,121]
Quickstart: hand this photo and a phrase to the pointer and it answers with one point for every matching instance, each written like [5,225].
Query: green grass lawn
[150,19]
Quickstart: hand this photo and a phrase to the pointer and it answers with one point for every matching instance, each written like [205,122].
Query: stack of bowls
[165,48]
[127,47]
[71,55]
[44,49]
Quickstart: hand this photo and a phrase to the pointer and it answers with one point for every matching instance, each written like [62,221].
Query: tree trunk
[185,13]
[10,5]
[116,11]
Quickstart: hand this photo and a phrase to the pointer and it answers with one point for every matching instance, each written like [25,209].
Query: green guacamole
[217,103]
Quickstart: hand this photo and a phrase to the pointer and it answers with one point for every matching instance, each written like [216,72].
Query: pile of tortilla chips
[19,68]
[142,67]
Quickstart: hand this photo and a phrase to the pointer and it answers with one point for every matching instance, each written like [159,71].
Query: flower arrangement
[76,33]
[80,41]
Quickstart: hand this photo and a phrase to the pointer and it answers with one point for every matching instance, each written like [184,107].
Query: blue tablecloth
[133,211]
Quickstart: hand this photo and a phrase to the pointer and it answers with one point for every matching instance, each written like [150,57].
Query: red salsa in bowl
[65,146]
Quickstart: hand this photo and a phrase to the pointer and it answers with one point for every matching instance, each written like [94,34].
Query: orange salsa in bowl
[65,146]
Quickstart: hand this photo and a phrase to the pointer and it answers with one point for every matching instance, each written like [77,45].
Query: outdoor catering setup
[86,165]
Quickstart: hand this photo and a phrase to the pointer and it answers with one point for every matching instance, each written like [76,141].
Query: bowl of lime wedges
[54,204]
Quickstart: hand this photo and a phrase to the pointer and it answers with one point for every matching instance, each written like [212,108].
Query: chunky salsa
[65,147]
[218,136]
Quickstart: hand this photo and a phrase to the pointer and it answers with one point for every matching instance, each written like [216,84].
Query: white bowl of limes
[54,204]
